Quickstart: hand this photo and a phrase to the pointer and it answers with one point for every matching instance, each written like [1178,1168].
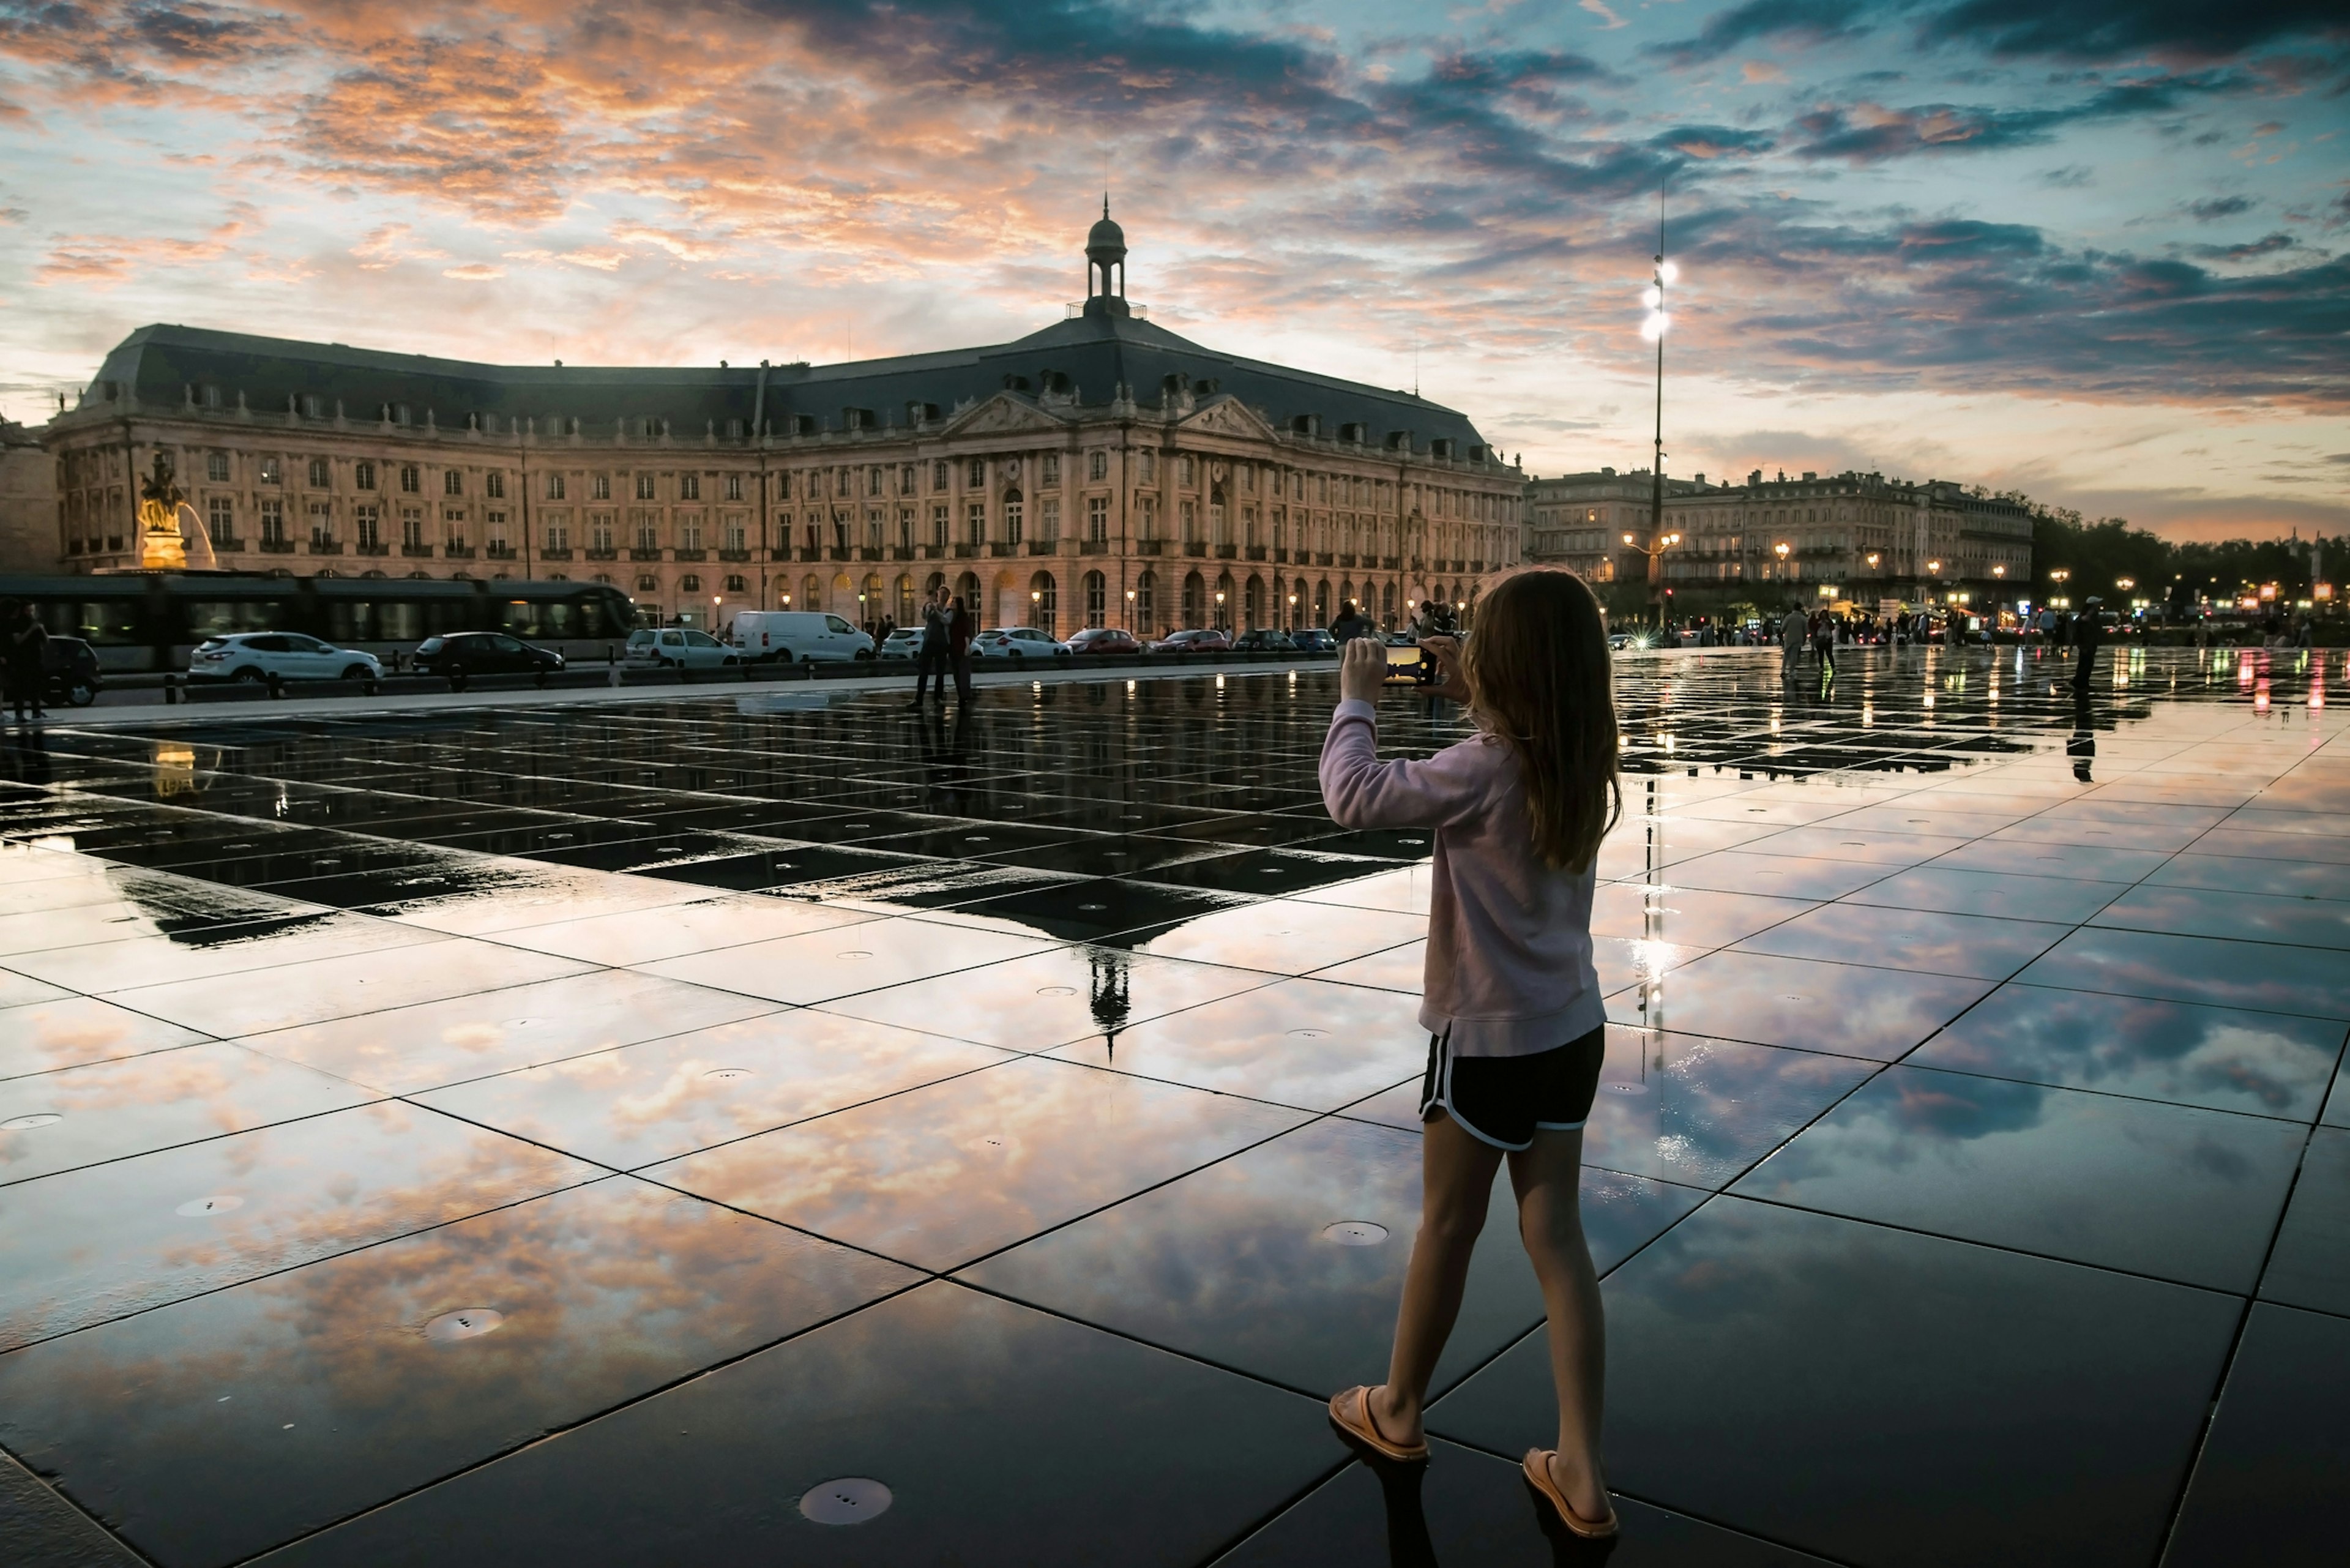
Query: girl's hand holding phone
[1449,682]
[1362,669]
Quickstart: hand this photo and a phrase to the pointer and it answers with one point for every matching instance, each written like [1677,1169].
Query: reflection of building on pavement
[1111,989]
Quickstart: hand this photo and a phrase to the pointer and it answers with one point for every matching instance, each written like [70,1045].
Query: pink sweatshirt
[1509,940]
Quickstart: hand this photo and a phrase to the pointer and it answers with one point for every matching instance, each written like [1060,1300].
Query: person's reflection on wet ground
[2082,746]
[1411,1545]
[24,756]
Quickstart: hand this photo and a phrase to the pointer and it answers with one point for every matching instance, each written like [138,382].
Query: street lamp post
[1780,550]
[1654,328]
[1663,542]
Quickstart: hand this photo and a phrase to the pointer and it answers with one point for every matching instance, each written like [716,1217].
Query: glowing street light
[1780,549]
[2125,584]
[1872,560]
[1654,328]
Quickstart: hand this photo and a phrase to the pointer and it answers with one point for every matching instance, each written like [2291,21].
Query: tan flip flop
[1350,1412]
[1536,1466]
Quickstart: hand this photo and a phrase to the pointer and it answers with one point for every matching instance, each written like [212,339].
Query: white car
[1017,642]
[287,654]
[906,642]
[677,648]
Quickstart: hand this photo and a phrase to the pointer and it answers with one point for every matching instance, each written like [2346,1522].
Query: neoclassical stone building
[1851,535]
[1101,471]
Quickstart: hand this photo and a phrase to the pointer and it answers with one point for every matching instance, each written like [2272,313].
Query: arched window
[1322,602]
[811,593]
[869,599]
[967,588]
[1252,603]
[1195,599]
[1146,603]
[1045,603]
[735,583]
[1223,609]
[1096,599]
[1386,605]
[689,583]
[905,612]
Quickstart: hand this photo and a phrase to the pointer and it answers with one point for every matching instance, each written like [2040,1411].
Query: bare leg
[1457,1183]
[1548,1179]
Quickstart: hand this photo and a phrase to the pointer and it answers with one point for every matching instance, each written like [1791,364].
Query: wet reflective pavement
[702,1129]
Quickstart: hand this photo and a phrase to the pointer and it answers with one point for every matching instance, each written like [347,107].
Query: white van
[796,636]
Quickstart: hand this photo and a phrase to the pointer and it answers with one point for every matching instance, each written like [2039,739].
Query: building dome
[1104,235]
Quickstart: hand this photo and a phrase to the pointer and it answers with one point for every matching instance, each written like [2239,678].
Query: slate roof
[1096,352]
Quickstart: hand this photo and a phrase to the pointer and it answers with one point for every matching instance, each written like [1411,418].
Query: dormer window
[210,397]
[314,407]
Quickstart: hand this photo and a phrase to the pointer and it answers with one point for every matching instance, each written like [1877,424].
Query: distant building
[28,502]
[1102,471]
[1862,535]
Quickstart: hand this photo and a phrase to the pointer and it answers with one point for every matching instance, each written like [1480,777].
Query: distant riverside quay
[1101,471]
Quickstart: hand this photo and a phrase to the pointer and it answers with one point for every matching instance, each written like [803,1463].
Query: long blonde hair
[1540,681]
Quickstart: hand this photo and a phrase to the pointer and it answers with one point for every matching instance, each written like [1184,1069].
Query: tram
[152,621]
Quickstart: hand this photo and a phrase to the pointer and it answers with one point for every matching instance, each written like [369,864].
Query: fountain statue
[167,525]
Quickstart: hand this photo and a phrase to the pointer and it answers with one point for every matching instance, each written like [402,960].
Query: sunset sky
[2091,249]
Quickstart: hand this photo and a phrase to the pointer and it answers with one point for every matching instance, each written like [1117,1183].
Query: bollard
[170,689]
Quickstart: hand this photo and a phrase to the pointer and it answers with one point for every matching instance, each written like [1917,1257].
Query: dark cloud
[2217,207]
[2267,246]
[2127,29]
[1709,142]
[1868,133]
[1958,303]
[1757,21]
[2072,177]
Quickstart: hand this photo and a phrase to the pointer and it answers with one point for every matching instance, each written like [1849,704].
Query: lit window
[270,472]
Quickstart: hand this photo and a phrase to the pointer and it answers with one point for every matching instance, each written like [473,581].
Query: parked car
[1192,641]
[289,655]
[1104,639]
[906,642]
[70,666]
[796,636]
[462,653]
[1312,639]
[677,648]
[1264,639]
[1017,642]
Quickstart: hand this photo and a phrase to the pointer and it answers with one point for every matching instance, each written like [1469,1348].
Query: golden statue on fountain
[167,524]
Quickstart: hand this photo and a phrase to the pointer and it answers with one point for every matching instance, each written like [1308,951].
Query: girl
[1517,1031]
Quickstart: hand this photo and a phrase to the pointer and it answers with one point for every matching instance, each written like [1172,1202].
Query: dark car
[1104,639]
[70,666]
[1312,639]
[1265,639]
[1192,641]
[462,653]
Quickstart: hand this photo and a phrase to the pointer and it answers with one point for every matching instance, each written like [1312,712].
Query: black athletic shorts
[1502,1100]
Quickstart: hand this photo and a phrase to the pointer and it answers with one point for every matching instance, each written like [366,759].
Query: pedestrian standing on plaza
[2089,634]
[1512,1002]
[959,629]
[28,640]
[930,655]
[1824,637]
[1790,643]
